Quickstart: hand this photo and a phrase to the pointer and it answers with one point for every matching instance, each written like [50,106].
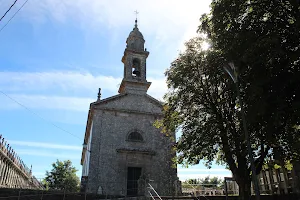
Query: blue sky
[54,55]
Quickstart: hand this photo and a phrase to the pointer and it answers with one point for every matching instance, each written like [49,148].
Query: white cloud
[158,88]
[182,170]
[168,20]
[66,81]
[46,102]
[154,15]
[21,85]
[44,145]
[31,152]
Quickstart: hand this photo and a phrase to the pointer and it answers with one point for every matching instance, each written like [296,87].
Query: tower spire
[99,95]
[136,14]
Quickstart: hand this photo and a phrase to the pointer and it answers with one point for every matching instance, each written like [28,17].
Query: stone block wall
[112,153]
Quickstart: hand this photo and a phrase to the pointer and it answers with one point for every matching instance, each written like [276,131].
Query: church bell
[136,72]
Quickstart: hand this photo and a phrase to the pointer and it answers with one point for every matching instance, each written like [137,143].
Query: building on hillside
[273,181]
[13,171]
[122,150]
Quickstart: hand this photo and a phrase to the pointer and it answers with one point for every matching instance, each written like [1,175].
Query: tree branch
[260,161]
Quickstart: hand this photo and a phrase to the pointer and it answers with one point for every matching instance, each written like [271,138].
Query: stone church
[122,150]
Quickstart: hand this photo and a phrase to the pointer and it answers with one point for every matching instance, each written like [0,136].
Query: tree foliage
[62,177]
[206,182]
[262,39]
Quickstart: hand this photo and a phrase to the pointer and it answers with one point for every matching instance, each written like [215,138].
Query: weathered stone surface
[131,103]
[112,122]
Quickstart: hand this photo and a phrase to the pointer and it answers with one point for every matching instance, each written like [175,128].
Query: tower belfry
[134,60]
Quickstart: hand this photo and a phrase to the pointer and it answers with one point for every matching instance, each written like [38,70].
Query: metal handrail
[154,192]
[151,195]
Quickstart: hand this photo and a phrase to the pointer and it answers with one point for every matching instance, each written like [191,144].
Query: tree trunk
[244,190]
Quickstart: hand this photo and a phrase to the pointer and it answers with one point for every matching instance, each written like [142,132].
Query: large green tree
[62,177]
[262,39]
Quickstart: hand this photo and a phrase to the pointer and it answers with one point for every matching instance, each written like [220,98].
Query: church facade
[122,150]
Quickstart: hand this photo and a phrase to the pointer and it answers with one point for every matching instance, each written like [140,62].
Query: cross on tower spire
[136,14]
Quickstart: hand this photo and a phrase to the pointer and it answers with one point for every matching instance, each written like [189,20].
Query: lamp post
[231,71]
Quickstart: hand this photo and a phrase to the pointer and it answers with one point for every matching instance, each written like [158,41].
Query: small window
[135,136]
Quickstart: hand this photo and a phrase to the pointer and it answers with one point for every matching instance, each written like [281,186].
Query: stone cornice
[138,151]
[129,111]
[130,51]
[139,86]
[108,99]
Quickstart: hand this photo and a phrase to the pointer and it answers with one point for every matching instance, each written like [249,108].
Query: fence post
[19,194]
[64,194]
[226,189]
[42,194]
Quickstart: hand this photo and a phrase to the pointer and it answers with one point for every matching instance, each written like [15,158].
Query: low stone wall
[27,194]
[263,197]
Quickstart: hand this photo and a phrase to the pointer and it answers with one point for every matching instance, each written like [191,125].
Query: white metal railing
[151,188]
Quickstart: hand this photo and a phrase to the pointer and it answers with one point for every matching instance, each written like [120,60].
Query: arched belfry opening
[136,67]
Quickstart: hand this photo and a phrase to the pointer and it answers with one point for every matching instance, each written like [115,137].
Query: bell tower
[134,59]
